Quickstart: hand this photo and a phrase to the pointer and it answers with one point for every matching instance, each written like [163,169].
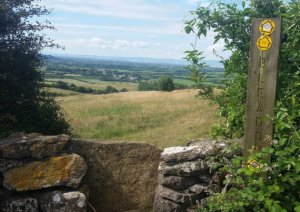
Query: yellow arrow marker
[264,42]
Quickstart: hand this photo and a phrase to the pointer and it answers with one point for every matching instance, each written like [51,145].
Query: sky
[125,28]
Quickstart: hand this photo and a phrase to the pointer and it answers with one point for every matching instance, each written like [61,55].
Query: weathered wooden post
[262,77]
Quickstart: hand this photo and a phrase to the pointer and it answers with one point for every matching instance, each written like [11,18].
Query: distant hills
[211,63]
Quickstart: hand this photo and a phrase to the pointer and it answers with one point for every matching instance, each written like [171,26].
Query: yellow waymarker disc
[264,42]
[267,27]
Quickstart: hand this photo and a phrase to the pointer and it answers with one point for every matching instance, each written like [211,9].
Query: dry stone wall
[39,174]
[187,176]
[57,173]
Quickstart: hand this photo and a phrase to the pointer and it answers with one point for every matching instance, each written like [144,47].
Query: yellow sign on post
[264,42]
[262,77]
[266,28]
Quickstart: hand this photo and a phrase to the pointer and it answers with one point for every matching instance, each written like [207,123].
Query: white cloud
[94,42]
[97,42]
[163,29]
[135,9]
[125,27]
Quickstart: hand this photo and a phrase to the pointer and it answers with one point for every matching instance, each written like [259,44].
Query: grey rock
[59,201]
[27,204]
[201,150]
[196,189]
[184,198]
[164,205]
[9,163]
[189,168]
[177,182]
[32,145]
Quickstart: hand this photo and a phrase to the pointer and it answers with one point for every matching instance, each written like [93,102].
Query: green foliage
[166,84]
[231,23]
[162,84]
[262,184]
[196,67]
[110,89]
[22,105]
[147,86]
[270,181]
[81,89]
[124,90]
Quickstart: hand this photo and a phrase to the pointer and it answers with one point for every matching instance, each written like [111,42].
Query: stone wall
[187,176]
[38,174]
[57,173]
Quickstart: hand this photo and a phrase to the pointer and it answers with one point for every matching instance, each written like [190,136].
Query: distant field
[61,92]
[95,83]
[160,118]
[184,82]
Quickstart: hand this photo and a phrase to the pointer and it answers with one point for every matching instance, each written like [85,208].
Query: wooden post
[262,77]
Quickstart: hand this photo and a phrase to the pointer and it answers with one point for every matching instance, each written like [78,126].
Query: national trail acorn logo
[264,42]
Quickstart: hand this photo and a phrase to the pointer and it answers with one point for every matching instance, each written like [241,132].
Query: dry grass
[160,118]
[97,84]
[62,92]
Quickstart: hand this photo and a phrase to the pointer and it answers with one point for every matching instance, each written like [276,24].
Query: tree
[231,22]
[166,84]
[23,106]
[110,89]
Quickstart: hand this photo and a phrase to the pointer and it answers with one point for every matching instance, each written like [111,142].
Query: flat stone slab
[177,182]
[121,176]
[57,171]
[180,197]
[189,168]
[34,145]
[189,153]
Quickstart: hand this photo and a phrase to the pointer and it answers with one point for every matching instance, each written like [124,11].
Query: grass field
[61,92]
[160,118]
[94,83]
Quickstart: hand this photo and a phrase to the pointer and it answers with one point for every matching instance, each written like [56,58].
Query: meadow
[91,82]
[163,119]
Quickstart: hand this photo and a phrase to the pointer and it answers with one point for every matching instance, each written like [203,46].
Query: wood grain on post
[261,88]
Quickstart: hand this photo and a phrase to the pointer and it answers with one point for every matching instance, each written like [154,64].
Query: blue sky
[126,28]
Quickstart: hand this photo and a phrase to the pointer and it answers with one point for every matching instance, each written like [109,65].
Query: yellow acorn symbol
[266,28]
[264,42]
